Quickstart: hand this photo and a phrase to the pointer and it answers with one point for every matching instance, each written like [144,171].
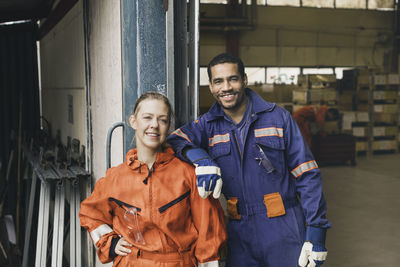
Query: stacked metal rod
[58,169]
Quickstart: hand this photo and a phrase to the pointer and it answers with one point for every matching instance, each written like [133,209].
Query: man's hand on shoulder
[207,172]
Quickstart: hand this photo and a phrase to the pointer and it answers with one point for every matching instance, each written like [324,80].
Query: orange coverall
[309,113]
[179,227]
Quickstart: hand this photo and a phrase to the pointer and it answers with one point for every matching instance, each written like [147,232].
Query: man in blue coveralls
[277,212]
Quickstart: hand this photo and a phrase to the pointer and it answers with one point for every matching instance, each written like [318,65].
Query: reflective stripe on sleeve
[302,168]
[221,138]
[178,132]
[97,233]
[270,131]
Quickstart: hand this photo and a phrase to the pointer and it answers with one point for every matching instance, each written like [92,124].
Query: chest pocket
[219,146]
[174,202]
[270,151]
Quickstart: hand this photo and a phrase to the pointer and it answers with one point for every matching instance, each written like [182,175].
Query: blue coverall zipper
[241,165]
[241,159]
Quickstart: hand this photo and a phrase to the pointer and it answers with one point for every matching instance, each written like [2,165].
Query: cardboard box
[384,145]
[363,107]
[329,95]
[393,78]
[306,96]
[347,120]
[379,79]
[362,116]
[389,118]
[364,80]
[384,131]
[386,108]
[316,81]
[277,93]
[346,97]
[361,146]
[385,95]
[349,117]
[360,131]
[363,95]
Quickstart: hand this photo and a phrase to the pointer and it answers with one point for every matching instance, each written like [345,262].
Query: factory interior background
[70,71]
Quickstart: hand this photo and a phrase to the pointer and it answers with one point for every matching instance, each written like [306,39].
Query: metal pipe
[108,144]
[194,30]
[170,60]
[89,150]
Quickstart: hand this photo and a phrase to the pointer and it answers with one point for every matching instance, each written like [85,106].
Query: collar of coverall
[259,105]
[161,158]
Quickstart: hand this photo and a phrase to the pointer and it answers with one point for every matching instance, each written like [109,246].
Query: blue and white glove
[313,252]
[207,171]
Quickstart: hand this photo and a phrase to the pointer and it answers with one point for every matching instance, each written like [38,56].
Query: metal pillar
[194,49]
[182,103]
[144,60]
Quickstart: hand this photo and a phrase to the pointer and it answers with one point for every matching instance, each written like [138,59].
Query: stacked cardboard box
[315,88]
[378,95]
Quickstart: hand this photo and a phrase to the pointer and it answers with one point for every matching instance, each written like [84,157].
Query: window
[282,75]
[318,3]
[318,71]
[283,2]
[381,4]
[255,75]
[362,4]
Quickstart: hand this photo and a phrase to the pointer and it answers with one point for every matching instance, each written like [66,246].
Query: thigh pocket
[274,204]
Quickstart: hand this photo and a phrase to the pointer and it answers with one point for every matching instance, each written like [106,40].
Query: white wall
[105,80]
[63,74]
[290,36]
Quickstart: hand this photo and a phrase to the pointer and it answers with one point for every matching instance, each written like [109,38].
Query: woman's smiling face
[151,123]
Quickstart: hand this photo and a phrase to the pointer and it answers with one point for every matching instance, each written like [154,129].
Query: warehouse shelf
[378,94]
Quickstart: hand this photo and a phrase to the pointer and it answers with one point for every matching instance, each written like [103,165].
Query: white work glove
[207,172]
[313,253]
[208,264]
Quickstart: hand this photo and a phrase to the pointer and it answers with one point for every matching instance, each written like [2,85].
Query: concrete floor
[364,209]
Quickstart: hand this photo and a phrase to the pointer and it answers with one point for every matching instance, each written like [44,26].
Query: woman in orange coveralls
[172,225]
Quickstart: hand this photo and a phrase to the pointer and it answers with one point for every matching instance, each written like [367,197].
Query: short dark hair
[225,58]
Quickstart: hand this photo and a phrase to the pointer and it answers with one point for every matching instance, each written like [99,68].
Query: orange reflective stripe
[302,168]
[178,132]
[270,131]
[220,138]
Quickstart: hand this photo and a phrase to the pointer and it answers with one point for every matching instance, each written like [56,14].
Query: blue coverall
[273,186]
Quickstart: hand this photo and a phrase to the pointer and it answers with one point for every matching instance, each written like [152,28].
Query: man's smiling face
[228,86]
